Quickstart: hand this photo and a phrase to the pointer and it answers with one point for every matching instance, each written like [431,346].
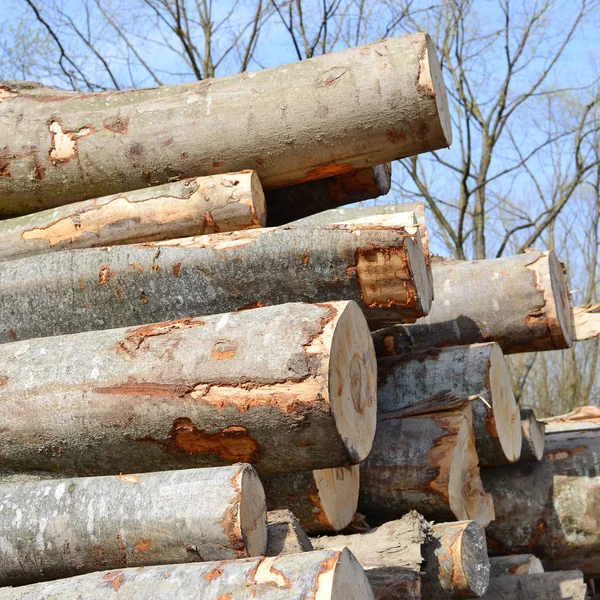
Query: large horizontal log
[322,575]
[65,527]
[562,585]
[382,268]
[426,463]
[294,202]
[190,207]
[311,119]
[521,302]
[194,393]
[550,508]
[285,535]
[515,564]
[415,382]
[323,500]
[533,434]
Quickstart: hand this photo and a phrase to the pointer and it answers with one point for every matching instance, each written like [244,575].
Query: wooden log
[562,585]
[549,508]
[515,564]
[322,575]
[285,535]
[190,207]
[586,322]
[194,393]
[414,383]
[323,500]
[533,434]
[294,202]
[394,583]
[381,268]
[583,417]
[308,120]
[521,302]
[65,527]
[426,463]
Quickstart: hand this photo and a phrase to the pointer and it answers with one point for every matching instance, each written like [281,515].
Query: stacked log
[533,434]
[515,564]
[285,535]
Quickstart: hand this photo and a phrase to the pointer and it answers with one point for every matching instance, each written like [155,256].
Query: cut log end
[259,203]
[353,382]
[382,175]
[431,76]
[338,494]
[253,512]
[421,272]
[534,436]
[474,565]
[346,580]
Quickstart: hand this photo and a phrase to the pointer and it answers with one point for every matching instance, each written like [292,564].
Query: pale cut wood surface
[534,436]
[515,564]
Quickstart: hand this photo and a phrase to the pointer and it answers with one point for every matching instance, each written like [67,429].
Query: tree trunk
[417,382]
[304,199]
[185,208]
[311,119]
[534,436]
[562,585]
[284,534]
[194,393]
[322,575]
[426,463]
[521,302]
[518,564]
[586,322]
[382,269]
[550,508]
[323,500]
[65,527]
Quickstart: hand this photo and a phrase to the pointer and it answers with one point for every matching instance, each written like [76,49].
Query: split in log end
[534,436]
[253,512]
[430,76]
[338,494]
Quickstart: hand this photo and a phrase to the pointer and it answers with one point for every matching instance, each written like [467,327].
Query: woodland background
[523,78]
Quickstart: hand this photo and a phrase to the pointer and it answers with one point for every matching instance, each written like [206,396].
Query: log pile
[204,356]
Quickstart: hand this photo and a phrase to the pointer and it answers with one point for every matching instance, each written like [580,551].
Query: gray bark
[184,208]
[307,120]
[533,434]
[522,302]
[60,528]
[550,508]
[515,564]
[562,585]
[322,575]
[194,393]
[284,534]
[394,583]
[299,201]
[382,269]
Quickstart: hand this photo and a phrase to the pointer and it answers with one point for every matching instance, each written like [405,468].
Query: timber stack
[218,382]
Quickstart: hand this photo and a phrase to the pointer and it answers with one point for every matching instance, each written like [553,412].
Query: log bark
[427,463]
[521,302]
[534,436]
[562,585]
[323,575]
[65,527]
[323,500]
[381,268]
[285,535]
[298,201]
[414,383]
[311,119]
[586,322]
[394,583]
[190,207]
[550,508]
[516,564]
[194,393]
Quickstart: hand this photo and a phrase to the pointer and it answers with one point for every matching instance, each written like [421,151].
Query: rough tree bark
[311,119]
[562,585]
[521,302]
[382,268]
[184,208]
[65,527]
[516,564]
[534,436]
[416,382]
[298,201]
[426,463]
[550,508]
[323,575]
[323,500]
[194,393]
[284,534]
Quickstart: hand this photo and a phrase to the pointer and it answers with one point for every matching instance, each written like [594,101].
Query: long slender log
[311,119]
[323,500]
[534,436]
[550,508]
[294,202]
[413,383]
[66,527]
[426,463]
[586,322]
[322,575]
[583,417]
[521,302]
[382,268]
[193,393]
[285,535]
[515,564]
[562,585]
[190,207]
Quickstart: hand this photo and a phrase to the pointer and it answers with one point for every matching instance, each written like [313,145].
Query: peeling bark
[586,322]
[519,564]
[185,208]
[194,393]
[562,585]
[583,417]
[284,534]
[534,436]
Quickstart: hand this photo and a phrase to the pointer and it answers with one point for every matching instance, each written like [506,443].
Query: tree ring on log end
[474,564]
[558,305]
[347,581]
[253,512]
[338,494]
